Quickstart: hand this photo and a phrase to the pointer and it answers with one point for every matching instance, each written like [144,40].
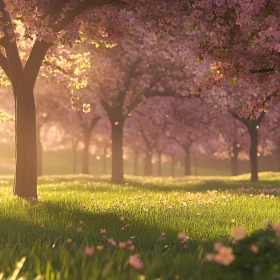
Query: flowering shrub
[257,253]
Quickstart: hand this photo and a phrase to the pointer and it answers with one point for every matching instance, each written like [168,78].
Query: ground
[57,233]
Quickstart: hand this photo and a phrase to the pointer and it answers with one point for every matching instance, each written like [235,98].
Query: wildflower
[165,247]
[204,239]
[129,242]
[122,218]
[238,233]
[122,245]
[81,222]
[225,256]
[276,228]
[69,240]
[79,229]
[163,234]
[83,206]
[103,231]
[135,262]
[42,226]
[89,251]
[254,249]
[181,235]
[25,203]
[131,248]
[111,241]
[218,246]
[99,247]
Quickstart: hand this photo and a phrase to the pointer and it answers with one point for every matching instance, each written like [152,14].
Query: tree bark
[86,137]
[74,156]
[187,160]
[104,160]
[234,159]
[173,167]
[253,131]
[25,184]
[159,164]
[278,158]
[117,151]
[39,152]
[148,169]
[136,157]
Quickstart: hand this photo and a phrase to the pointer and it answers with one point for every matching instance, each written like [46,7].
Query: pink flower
[79,229]
[276,228]
[131,248]
[122,245]
[218,246]
[81,222]
[122,218]
[103,231]
[181,235]
[135,262]
[254,249]
[127,225]
[42,226]
[129,242]
[89,251]
[111,241]
[69,240]
[238,233]
[225,256]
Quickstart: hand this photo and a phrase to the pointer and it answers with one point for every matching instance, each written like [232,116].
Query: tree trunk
[25,184]
[148,170]
[234,159]
[39,152]
[159,164]
[74,156]
[136,156]
[254,151]
[86,137]
[173,167]
[117,151]
[187,160]
[278,158]
[104,160]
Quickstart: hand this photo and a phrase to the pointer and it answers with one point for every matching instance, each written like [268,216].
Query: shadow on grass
[56,218]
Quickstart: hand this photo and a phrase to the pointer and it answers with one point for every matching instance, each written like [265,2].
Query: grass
[202,207]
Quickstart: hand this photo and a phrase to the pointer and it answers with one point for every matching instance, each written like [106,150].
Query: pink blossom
[79,229]
[103,231]
[122,245]
[89,251]
[135,262]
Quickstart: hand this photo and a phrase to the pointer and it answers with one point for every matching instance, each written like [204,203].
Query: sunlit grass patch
[142,217]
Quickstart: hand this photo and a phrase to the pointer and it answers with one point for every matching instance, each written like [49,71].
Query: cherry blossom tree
[46,25]
[142,65]
[228,99]
[242,37]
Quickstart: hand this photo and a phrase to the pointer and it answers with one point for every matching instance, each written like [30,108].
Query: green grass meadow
[154,211]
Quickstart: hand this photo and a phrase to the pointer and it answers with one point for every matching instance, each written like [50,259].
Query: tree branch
[34,61]
[5,65]
[85,5]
